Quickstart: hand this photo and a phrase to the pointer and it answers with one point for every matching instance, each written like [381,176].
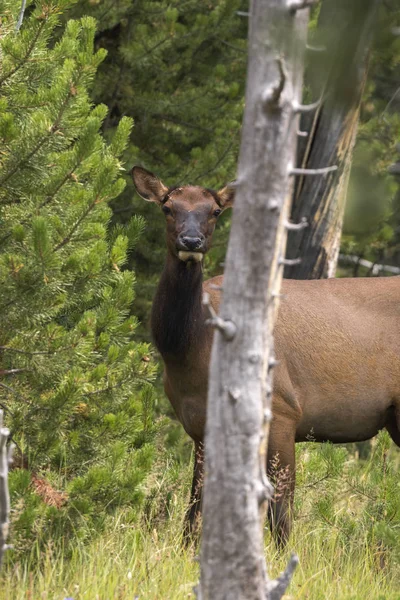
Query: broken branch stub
[225,326]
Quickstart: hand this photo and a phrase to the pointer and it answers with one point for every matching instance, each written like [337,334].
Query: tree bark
[338,74]
[240,385]
[5,459]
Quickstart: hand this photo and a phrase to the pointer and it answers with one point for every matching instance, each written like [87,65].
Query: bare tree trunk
[240,385]
[5,459]
[338,74]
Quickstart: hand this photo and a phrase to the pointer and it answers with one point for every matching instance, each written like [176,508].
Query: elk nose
[192,243]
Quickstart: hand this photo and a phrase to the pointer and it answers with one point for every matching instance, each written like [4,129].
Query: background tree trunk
[240,385]
[338,74]
[5,459]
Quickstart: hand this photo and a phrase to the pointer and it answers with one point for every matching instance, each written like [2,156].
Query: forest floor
[346,534]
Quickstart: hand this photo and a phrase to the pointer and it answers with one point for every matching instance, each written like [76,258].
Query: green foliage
[73,380]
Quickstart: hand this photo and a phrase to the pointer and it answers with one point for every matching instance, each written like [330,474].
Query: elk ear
[148,185]
[226,195]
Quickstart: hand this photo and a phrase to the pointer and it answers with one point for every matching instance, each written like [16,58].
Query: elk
[337,344]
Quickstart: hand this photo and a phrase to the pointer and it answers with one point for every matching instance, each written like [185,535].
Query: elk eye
[217,212]
[166,210]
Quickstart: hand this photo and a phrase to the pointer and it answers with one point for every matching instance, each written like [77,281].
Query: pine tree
[74,383]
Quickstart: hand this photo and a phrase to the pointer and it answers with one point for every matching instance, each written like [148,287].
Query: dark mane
[177,320]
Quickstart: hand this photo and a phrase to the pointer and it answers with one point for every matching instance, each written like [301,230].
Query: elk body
[337,343]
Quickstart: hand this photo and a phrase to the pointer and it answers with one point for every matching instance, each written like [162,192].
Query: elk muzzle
[191,247]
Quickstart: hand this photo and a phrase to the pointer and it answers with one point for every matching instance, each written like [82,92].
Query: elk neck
[177,319]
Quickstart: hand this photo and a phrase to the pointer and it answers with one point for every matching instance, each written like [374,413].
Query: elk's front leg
[281,469]
[193,513]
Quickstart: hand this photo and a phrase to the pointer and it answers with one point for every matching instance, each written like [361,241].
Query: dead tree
[337,72]
[5,460]
[240,384]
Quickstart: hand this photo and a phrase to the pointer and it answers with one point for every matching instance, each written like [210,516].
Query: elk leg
[281,469]
[393,426]
[194,511]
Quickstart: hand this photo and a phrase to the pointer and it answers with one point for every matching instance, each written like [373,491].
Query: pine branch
[30,353]
[49,198]
[60,185]
[76,225]
[52,129]
[151,50]
[27,55]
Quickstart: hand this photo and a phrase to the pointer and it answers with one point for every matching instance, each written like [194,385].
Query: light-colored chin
[185,256]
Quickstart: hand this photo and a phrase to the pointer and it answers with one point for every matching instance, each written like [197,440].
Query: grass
[346,550]
[123,563]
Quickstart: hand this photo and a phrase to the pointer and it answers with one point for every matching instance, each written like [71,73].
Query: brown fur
[338,346]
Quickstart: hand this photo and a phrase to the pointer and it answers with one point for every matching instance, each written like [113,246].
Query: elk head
[191,212]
